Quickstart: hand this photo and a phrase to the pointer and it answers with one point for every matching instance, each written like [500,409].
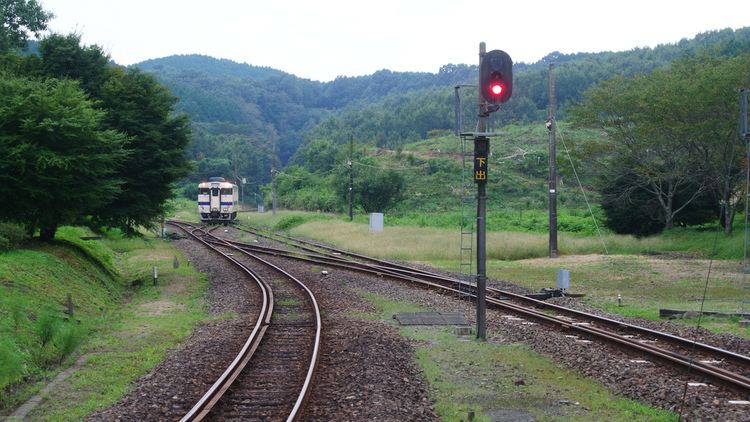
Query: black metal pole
[551,126]
[481,219]
[481,261]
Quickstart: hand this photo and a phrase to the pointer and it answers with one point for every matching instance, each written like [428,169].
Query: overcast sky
[322,39]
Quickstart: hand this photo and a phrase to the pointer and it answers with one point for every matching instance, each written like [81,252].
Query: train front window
[214,191]
[226,191]
[203,191]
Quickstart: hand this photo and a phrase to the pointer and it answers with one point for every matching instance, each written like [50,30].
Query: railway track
[700,360]
[272,375]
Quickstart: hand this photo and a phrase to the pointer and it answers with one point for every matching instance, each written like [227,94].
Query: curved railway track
[272,375]
[699,359]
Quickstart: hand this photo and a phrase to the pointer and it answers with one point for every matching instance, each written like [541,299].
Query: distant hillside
[232,98]
[255,106]
[174,65]
[405,117]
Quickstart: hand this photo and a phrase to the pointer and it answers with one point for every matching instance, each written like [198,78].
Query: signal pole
[495,87]
[552,127]
[351,177]
[479,144]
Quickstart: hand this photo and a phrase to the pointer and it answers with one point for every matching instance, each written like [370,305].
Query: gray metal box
[563,279]
[376,222]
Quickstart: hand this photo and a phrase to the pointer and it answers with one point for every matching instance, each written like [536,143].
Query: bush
[290,221]
[65,340]
[11,236]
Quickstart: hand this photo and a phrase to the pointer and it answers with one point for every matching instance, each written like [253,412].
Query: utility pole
[242,192]
[351,177]
[745,134]
[481,210]
[552,127]
[273,179]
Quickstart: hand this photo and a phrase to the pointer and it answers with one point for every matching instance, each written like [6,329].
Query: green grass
[482,376]
[137,336]
[667,271]
[34,284]
[512,244]
[124,332]
[184,209]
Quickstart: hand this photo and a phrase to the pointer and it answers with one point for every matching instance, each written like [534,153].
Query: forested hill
[238,110]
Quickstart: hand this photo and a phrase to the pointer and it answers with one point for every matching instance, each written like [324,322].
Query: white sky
[322,39]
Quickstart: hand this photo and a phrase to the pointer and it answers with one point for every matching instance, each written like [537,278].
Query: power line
[601,237]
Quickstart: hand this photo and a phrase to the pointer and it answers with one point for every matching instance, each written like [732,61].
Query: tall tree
[58,161]
[142,109]
[639,117]
[19,18]
[673,132]
[63,56]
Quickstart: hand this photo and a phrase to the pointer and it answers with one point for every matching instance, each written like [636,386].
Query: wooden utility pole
[273,179]
[551,127]
[351,177]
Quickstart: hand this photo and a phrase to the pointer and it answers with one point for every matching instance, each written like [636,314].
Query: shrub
[65,340]
[290,221]
[11,235]
[45,327]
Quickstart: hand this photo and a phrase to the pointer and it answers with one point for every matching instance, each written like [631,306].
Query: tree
[18,18]
[377,190]
[63,56]
[673,133]
[142,109]
[317,155]
[58,161]
[715,82]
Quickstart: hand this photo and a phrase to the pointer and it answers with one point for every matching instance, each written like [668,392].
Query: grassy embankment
[666,271]
[118,331]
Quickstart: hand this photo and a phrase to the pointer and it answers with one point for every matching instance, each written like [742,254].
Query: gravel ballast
[367,371]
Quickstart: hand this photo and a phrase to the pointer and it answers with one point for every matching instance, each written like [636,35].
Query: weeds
[12,368]
[45,327]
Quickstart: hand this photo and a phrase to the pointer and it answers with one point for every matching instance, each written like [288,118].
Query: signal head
[496,76]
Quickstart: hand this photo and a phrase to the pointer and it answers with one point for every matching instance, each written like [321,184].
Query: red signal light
[496,88]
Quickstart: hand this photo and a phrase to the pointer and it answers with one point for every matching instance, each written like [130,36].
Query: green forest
[239,111]
[650,134]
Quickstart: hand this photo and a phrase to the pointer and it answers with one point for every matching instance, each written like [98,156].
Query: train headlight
[226,209]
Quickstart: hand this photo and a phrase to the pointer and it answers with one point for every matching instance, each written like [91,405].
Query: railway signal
[495,87]
[496,76]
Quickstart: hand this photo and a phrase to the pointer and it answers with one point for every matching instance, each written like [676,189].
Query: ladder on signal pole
[468,198]
[468,213]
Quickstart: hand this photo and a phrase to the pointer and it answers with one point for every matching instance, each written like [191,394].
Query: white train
[217,201]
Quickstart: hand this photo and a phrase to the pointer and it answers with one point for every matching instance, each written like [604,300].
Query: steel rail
[204,405]
[732,380]
[315,355]
[737,358]
[307,384]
